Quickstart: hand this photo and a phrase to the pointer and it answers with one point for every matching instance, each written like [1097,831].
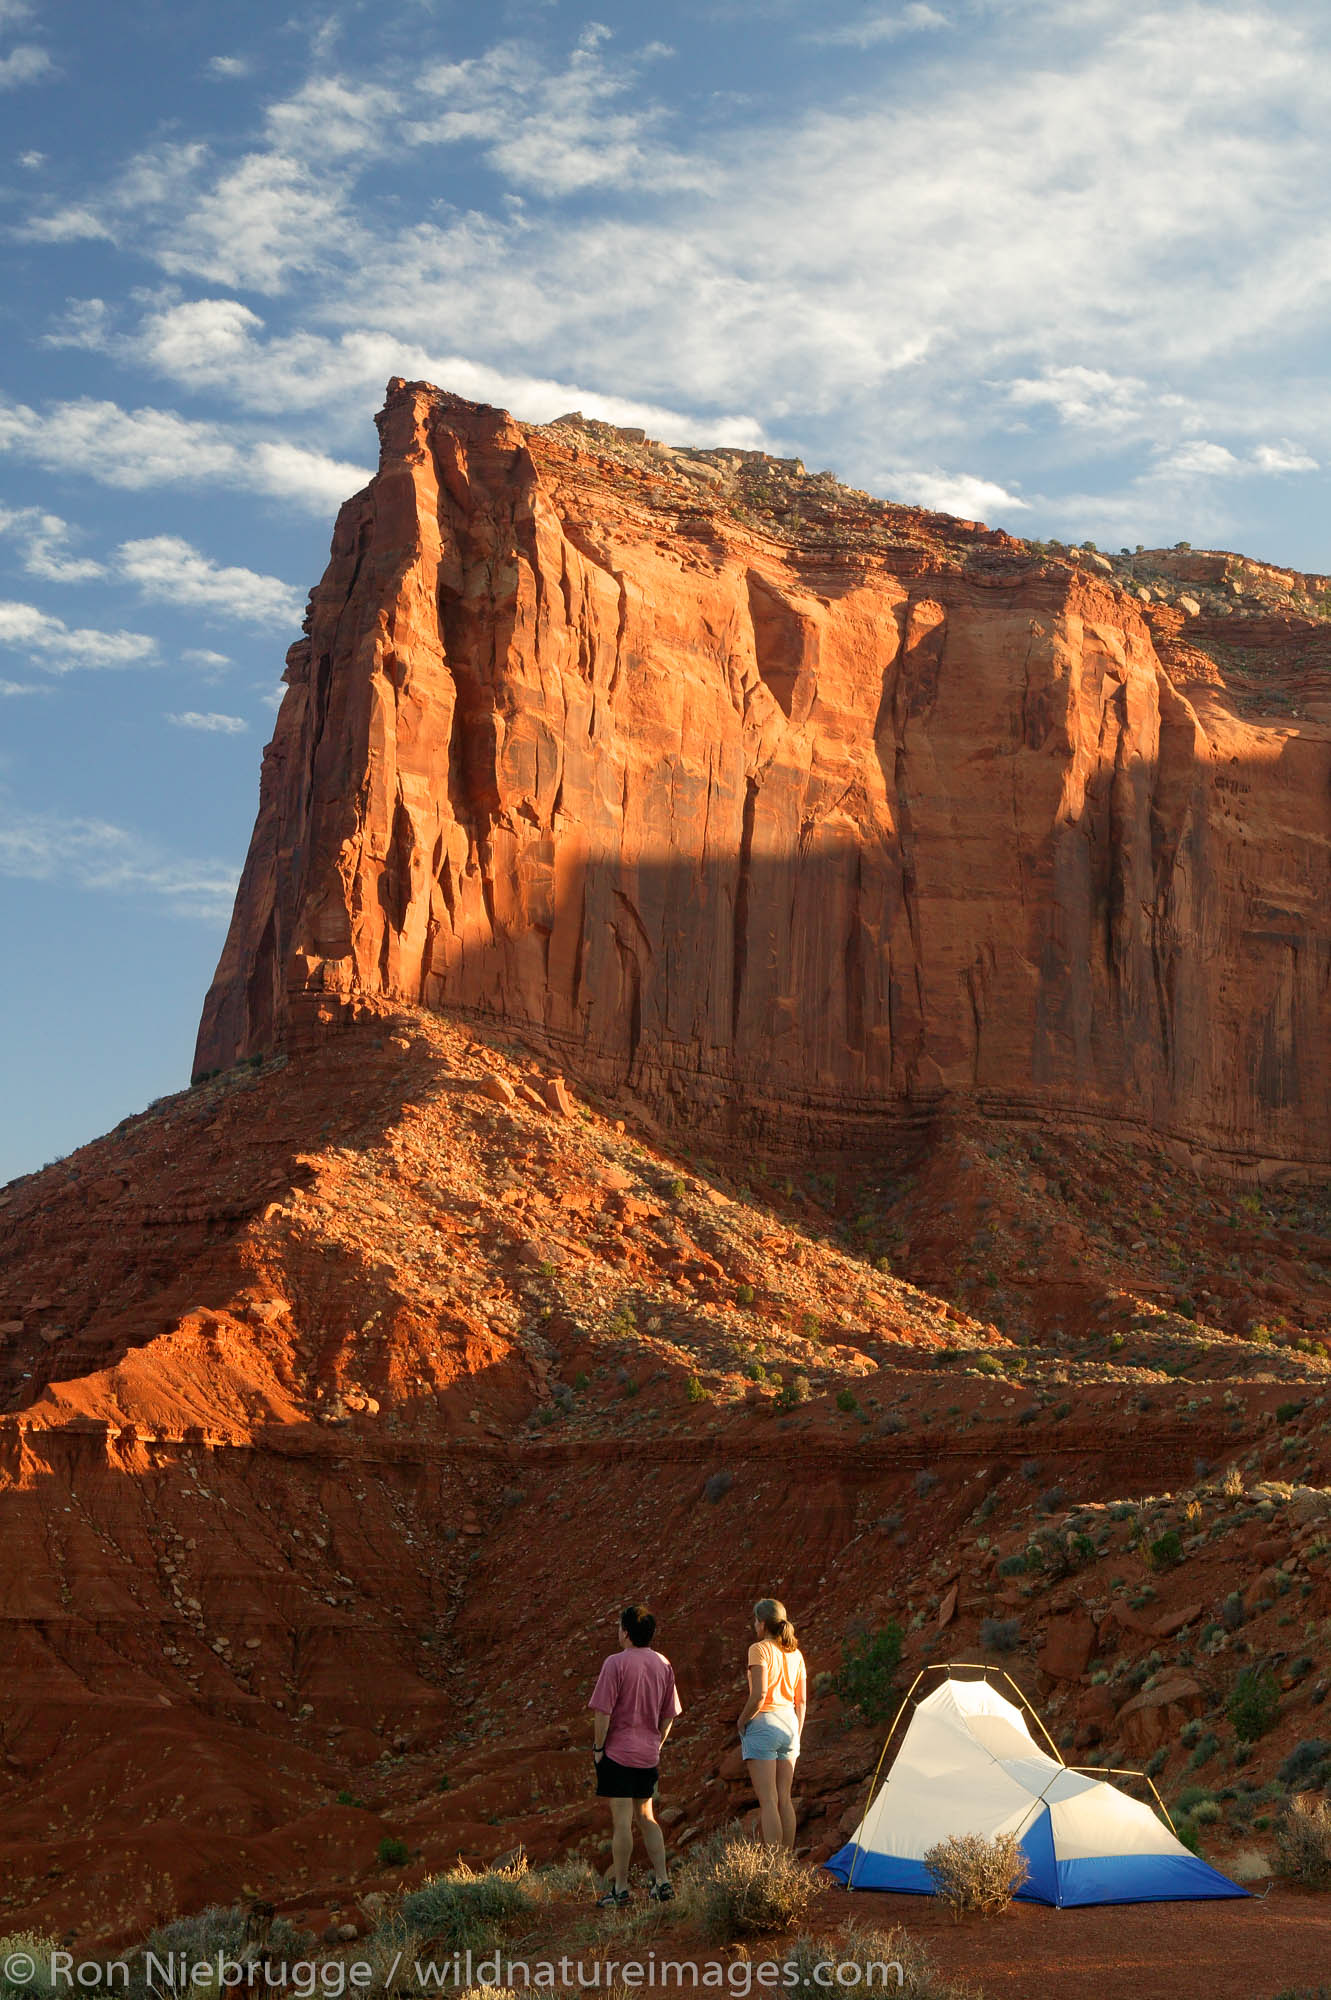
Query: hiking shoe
[613,1898]
[661,1892]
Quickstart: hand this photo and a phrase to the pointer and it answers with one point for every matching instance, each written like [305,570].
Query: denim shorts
[773,1736]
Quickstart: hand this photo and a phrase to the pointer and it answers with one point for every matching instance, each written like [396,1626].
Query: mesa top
[636,1689]
[783,1673]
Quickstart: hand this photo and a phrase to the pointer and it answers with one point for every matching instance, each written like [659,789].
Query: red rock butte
[791,810]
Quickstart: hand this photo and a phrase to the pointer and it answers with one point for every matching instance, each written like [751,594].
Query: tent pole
[850,1883]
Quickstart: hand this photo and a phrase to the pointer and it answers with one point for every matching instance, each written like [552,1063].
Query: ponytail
[771,1615]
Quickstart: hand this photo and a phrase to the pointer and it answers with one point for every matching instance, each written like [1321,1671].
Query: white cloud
[953,493]
[59,649]
[98,855]
[169,570]
[32,160]
[1091,397]
[212,724]
[555,132]
[68,225]
[289,471]
[127,448]
[888,26]
[213,343]
[8,688]
[209,663]
[24,64]
[262,223]
[45,540]
[329,118]
[1199,456]
[1283,457]
[229,66]
[138,449]
[85,323]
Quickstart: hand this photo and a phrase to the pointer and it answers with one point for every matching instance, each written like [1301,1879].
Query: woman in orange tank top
[772,1719]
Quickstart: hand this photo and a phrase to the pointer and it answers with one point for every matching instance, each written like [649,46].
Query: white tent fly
[969,1764]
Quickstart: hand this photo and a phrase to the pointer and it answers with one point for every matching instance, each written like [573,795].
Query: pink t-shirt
[636,1689]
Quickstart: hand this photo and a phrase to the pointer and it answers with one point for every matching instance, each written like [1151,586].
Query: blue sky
[1061,264]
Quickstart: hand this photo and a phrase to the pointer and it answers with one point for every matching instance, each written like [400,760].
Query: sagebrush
[1303,1840]
[738,1888]
[975,1875]
[865,1961]
[466,1910]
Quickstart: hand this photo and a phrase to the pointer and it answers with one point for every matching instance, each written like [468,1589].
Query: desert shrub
[987,1364]
[736,1888]
[1013,1565]
[865,1961]
[696,1389]
[464,1910]
[37,1946]
[1207,1812]
[845,1400]
[1233,1611]
[1165,1552]
[393,1852]
[1186,1830]
[1303,1840]
[1051,1500]
[999,1635]
[1308,1763]
[1204,1750]
[867,1679]
[973,1874]
[1254,1703]
[925,1482]
[718,1486]
[794,1392]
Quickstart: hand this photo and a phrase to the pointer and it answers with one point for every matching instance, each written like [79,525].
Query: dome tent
[969,1764]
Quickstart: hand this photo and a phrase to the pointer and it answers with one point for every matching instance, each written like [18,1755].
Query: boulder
[1068,1645]
[1156,1716]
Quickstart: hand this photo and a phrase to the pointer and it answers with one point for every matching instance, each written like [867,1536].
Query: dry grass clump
[1303,1839]
[737,1888]
[866,1961]
[975,1875]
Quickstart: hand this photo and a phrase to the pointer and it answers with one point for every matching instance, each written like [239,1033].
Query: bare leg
[621,1839]
[785,1779]
[652,1838]
[762,1776]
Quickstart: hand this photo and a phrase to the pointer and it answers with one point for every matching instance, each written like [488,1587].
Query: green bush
[696,1390]
[867,1679]
[846,1400]
[393,1852]
[1254,1703]
[794,1392]
[1166,1552]
[466,1911]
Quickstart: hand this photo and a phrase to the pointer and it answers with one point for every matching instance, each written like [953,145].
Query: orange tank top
[783,1673]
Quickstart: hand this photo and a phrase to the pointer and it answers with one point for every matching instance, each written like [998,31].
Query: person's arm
[754,1702]
[801,1701]
[600,1724]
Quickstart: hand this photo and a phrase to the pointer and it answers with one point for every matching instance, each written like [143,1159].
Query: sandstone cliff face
[783,809]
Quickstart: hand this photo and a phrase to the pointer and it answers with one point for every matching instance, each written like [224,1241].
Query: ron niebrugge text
[327,1979]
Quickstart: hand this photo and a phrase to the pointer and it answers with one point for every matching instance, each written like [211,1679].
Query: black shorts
[625,1781]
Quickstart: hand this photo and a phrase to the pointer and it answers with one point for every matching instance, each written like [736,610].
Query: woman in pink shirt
[633,1705]
[772,1719]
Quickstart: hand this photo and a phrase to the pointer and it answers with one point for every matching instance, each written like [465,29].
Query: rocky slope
[792,809]
[307,1370]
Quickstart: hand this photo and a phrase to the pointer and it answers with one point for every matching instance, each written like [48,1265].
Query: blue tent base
[1114,1878]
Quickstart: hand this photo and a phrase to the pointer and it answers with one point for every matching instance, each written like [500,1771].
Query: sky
[1062,265]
